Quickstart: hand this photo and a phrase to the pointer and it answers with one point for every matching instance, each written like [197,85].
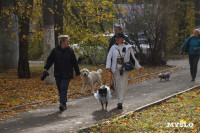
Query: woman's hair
[196,30]
[62,38]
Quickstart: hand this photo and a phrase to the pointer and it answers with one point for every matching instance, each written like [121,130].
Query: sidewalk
[85,111]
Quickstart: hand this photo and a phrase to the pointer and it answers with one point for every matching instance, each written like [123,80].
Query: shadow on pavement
[41,120]
[103,114]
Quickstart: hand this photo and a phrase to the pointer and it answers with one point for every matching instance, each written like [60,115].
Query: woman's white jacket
[113,54]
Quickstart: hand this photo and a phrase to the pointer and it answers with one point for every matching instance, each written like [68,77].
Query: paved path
[85,111]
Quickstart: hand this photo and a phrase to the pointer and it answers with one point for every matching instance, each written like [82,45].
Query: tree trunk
[23,64]
[24,19]
[9,46]
[58,18]
[197,14]
[49,40]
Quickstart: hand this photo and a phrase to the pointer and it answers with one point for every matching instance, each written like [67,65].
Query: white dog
[90,78]
[103,95]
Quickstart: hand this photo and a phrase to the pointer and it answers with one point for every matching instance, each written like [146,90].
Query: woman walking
[120,53]
[193,42]
[64,61]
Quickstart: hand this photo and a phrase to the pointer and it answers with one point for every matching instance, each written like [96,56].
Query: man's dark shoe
[119,106]
[192,80]
[62,106]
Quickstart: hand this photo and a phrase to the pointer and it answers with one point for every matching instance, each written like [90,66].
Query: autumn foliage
[15,92]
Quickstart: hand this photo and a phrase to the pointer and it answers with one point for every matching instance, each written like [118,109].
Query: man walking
[118,29]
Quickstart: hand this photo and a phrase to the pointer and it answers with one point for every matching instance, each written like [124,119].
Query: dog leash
[111,79]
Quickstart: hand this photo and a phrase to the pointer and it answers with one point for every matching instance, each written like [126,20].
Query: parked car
[143,44]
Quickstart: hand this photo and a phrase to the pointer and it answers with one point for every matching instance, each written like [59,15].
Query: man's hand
[45,74]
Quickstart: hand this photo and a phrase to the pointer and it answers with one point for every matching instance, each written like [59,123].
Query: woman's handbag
[128,66]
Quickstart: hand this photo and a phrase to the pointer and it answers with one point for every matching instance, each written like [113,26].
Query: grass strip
[177,113]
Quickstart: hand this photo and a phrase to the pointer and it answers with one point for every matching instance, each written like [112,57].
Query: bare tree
[149,20]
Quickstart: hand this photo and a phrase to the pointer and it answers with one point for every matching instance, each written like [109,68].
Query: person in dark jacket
[194,51]
[64,61]
[118,29]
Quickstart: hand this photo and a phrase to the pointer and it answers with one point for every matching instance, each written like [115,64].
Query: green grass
[37,68]
[177,56]
[183,109]
[90,67]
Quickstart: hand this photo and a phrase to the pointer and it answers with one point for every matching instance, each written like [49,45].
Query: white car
[143,45]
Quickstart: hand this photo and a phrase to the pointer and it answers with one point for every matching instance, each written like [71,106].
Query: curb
[178,58]
[153,73]
[21,106]
[143,107]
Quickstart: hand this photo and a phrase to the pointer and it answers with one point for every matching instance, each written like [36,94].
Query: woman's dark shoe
[62,106]
[119,106]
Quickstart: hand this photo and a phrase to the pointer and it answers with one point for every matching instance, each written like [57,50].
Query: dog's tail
[99,71]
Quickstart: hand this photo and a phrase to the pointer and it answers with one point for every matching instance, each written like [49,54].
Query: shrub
[35,50]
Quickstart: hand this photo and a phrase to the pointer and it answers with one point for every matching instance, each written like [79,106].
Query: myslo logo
[182,123]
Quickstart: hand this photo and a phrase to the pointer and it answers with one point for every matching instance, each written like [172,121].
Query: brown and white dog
[90,78]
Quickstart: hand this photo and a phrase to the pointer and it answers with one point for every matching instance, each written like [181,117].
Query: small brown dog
[165,76]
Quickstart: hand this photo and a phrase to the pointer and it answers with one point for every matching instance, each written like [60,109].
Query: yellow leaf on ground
[182,121]
[194,131]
